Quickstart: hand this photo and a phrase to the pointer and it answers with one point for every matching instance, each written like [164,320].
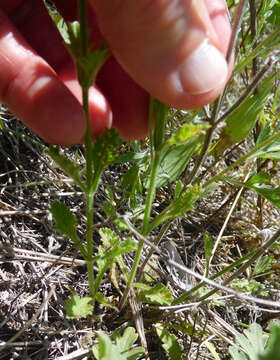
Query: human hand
[174,50]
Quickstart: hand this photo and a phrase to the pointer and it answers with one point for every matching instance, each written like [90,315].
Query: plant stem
[145,227]
[88,149]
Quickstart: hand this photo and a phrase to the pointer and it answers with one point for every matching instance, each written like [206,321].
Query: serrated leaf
[158,294]
[77,308]
[66,165]
[169,343]
[242,120]
[66,222]
[109,237]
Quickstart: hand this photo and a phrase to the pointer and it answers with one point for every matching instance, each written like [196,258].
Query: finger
[128,101]
[33,91]
[171,48]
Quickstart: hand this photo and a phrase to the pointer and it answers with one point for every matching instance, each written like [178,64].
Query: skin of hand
[172,49]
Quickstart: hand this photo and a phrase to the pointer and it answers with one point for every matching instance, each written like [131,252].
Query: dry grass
[38,266]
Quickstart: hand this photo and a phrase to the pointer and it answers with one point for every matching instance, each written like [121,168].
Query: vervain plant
[175,158]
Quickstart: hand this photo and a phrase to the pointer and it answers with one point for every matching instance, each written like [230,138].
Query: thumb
[173,49]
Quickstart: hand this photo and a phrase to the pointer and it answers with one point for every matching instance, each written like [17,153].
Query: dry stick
[258,253]
[34,317]
[165,258]
[227,220]
[235,28]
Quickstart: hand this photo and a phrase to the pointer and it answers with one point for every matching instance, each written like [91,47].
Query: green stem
[88,149]
[148,208]
[89,233]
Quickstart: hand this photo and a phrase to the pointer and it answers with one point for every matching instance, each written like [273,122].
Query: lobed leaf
[77,308]
[169,343]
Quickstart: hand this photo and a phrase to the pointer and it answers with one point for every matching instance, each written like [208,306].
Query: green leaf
[77,308]
[158,294]
[132,185]
[264,265]
[169,343]
[121,349]
[125,341]
[66,165]
[236,354]
[178,189]
[270,151]
[274,18]
[269,193]
[257,183]
[242,120]
[248,286]
[66,224]
[105,349]
[188,131]
[175,160]
[252,342]
[272,350]
[87,65]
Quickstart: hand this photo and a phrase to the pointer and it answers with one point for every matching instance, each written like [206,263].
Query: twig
[258,253]
[255,82]
[239,295]
[227,220]
[28,323]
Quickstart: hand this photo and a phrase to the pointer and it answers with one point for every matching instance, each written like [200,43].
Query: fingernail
[204,70]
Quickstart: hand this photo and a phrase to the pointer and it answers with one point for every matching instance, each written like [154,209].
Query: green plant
[120,348]
[175,158]
[257,345]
